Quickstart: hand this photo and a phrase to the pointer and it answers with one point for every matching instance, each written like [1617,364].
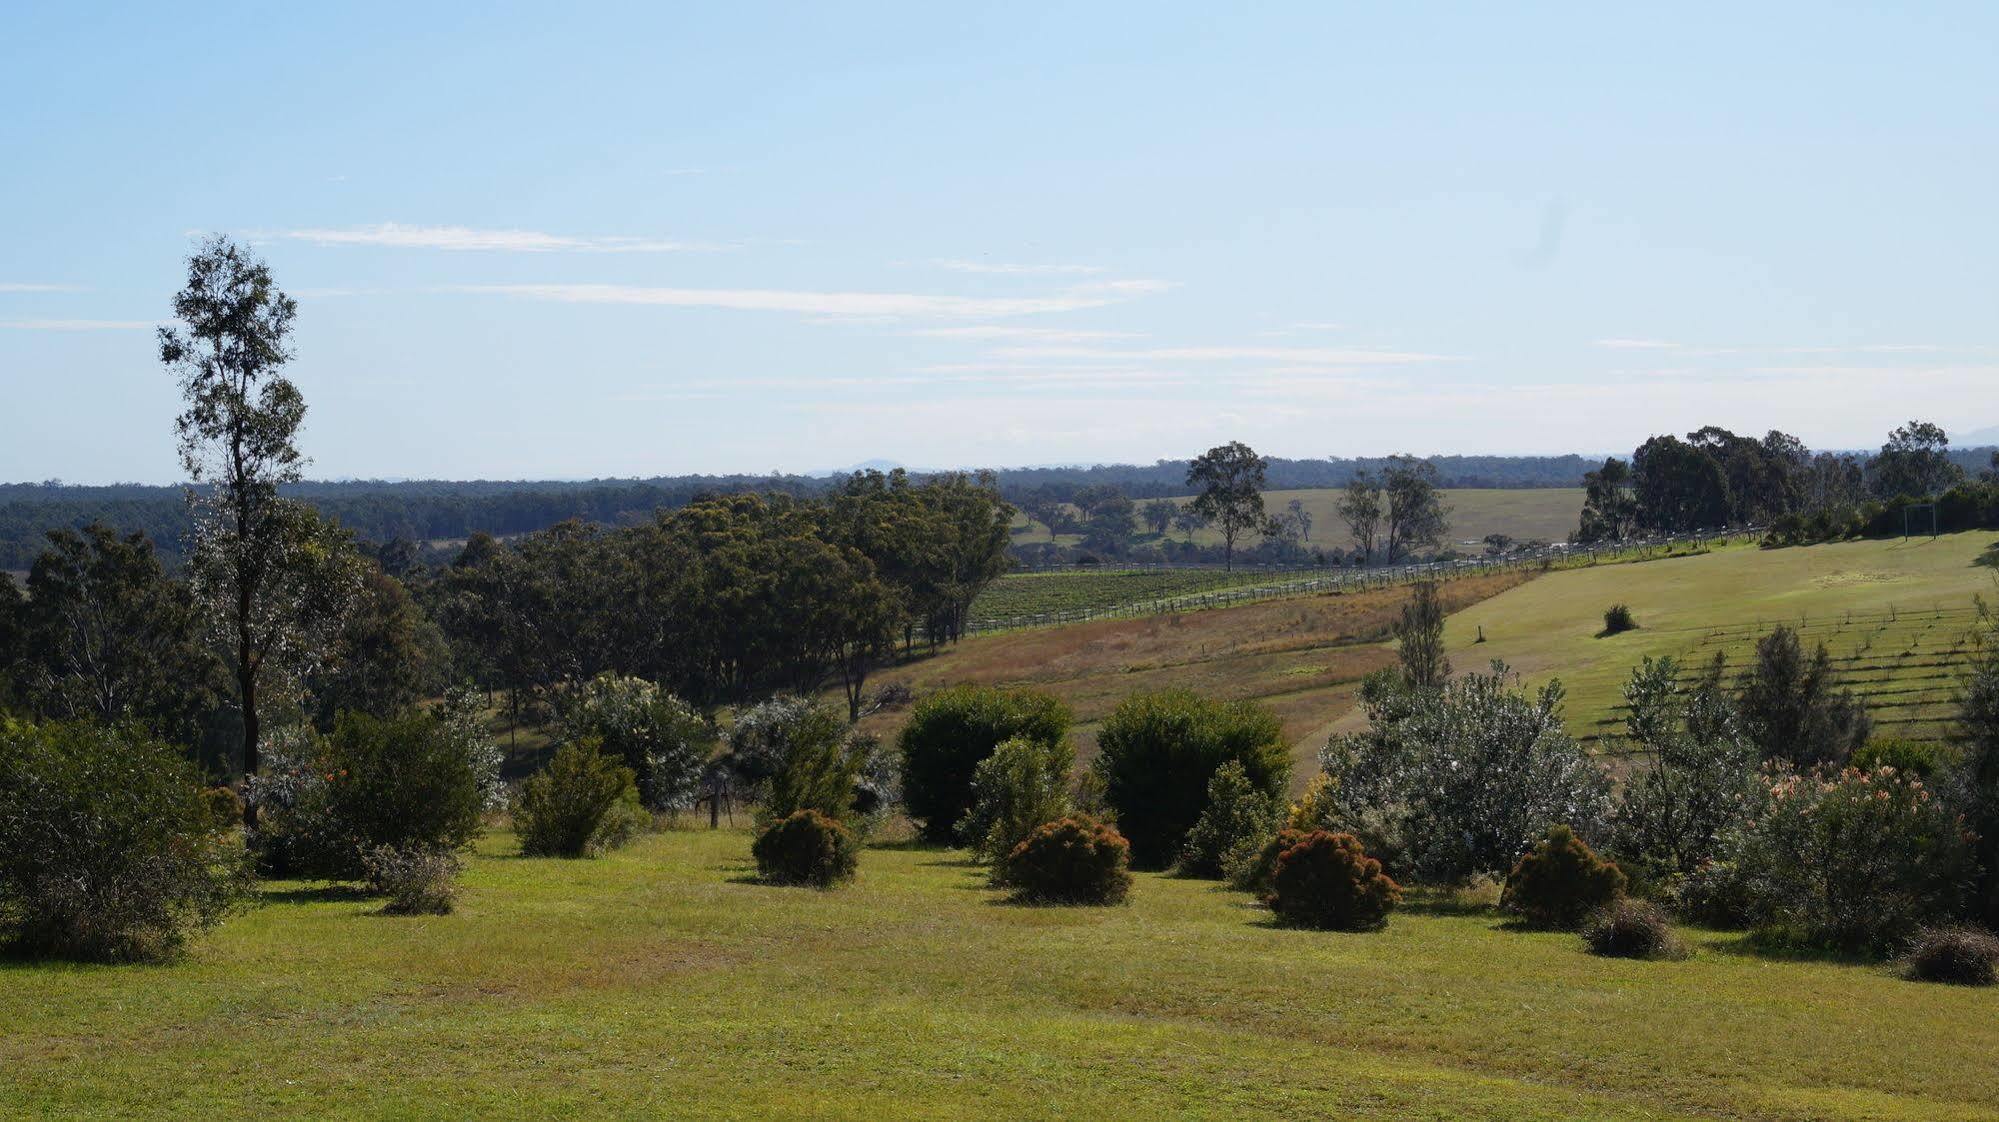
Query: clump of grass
[1960,956]
[1617,620]
[1629,928]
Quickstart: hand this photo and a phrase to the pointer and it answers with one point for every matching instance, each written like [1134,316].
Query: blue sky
[563,241]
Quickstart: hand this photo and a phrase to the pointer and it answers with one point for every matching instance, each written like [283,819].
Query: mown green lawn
[660,982]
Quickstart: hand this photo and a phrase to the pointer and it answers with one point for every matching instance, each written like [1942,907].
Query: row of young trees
[1715,478]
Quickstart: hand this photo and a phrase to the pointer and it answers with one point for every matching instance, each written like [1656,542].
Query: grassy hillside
[1302,657]
[1547,514]
[1895,615]
[660,982]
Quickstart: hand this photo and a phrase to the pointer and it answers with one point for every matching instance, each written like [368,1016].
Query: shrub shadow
[1751,945]
[324,894]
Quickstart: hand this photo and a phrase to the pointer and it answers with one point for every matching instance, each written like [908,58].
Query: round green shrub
[404,782]
[950,731]
[1075,860]
[1959,956]
[226,805]
[580,805]
[661,738]
[1627,928]
[109,849]
[1158,752]
[1560,882]
[806,848]
[1326,881]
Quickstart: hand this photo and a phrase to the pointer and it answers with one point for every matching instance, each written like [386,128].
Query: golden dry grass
[1302,657]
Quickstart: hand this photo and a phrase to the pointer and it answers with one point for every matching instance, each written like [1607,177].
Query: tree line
[1715,478]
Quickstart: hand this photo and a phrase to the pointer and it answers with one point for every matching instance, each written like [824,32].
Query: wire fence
[1275,582]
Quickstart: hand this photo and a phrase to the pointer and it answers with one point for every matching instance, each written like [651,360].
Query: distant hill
[1977,438]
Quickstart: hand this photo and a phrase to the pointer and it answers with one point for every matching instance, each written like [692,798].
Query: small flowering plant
[1858,860]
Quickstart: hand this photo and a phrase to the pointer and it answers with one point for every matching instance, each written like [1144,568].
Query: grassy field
[1019,595]
[1894,615]
[661,982]
[1302,657]
[1547,514]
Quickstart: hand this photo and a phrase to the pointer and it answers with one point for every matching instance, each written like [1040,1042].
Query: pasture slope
[1526,514]
[1895,615]
[661,981]
[1302,657]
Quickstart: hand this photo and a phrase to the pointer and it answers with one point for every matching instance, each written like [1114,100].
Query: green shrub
[950,731]
[1238,819]
[1157,753]
[1560,882]
[1021,785]
[1959,956]
[580,805]
[406,782]
[109,850]
[1075,860]
[1326,881]
[1252,869]
[1855,860]
[1919,758]
[793,753]
[1449,783]
[226,805]
[663,740]
[1617,620]
[806,848]
[1627,928]
[416,881]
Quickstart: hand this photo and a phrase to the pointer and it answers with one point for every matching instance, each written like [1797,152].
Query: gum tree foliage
[1915,463]
[109,636]
[733,598]
[660,738]
[1159,515]
[1462,780]
[265,569]
[1415,515]
[1228,483]
[1697,776]
[13,641]
[1678,486]
[1360,509]
[387,656]
[1610,509]
[1793,707]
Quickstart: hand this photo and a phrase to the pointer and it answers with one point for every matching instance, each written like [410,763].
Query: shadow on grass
[1769,948]
[321,894]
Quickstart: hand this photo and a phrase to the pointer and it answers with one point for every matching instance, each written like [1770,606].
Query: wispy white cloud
[1328,356]
[78,325]
[18,286]
[1043,334]
[396,235]
[877,305]
[959,265]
